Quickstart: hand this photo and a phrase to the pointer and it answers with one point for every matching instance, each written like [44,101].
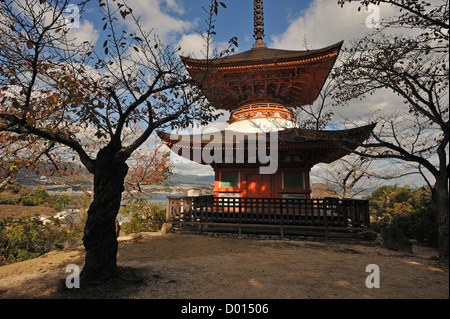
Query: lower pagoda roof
[315,147]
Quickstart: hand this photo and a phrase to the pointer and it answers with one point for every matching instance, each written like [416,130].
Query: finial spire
[258,23]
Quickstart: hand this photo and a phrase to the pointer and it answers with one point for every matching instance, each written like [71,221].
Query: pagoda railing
[318,213]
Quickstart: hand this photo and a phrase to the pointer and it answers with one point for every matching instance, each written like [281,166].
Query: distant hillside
[47,172]
[31,178]
[189,179]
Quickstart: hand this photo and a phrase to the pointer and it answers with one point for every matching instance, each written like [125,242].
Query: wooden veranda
[325,217]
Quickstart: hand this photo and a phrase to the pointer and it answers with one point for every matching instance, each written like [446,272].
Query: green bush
[413,211]
[38,197]
[60,202]
[28,238]
[146,217]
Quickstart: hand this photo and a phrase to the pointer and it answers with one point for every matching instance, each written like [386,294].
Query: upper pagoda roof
[264,55]
[295,78]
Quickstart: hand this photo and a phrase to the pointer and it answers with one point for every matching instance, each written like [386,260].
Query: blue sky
[235,20]
[288,23]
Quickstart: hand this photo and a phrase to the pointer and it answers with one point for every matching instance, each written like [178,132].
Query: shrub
[28,238]
[38,197]
[412,211]
[146,217]
[60,202]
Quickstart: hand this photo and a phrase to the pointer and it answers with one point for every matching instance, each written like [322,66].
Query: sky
[289,24]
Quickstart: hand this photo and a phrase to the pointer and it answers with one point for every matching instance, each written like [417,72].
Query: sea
[162,198]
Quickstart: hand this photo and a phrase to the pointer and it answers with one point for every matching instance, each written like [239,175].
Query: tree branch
[21,127]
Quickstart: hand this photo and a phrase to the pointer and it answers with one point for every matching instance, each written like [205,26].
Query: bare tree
[317,116]
[416,68]
[350,176]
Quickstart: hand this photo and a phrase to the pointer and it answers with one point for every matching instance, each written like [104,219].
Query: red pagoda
[259,87]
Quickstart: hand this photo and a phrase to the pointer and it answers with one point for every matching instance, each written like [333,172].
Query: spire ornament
[258,23]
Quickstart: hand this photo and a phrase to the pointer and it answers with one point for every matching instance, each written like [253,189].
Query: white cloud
[194,45]
[324,23]
[383,101]
[160,16]
[174,5]
[85,32]
[185,167]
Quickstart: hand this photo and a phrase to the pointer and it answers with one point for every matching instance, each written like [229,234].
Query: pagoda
[259,88]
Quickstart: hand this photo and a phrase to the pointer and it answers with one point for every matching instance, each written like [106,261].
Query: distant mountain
[33,178]
[46,173]
[189,179]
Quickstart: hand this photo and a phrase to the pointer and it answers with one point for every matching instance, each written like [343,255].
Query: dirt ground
[18,211]
[189,266]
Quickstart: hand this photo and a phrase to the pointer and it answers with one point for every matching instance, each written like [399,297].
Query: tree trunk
[100,240]
[441,197]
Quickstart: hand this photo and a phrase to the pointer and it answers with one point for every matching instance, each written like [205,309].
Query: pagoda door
[258,186]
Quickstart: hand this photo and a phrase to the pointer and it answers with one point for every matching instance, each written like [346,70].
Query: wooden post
[198,212]
[365,208]
[168,209]
[353,216]
[325,217]
[239,218]
[281,220]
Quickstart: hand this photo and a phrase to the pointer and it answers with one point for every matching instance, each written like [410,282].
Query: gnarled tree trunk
[441,197]
[100,239]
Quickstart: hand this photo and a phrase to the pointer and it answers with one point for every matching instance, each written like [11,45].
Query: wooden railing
[322,212]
